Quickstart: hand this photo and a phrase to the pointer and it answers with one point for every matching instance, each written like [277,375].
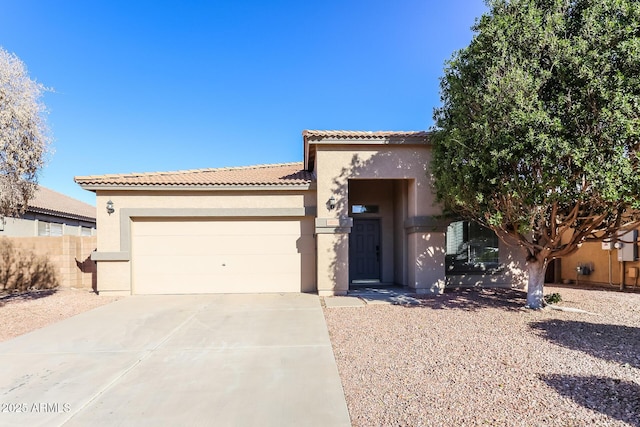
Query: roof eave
[61,214]
[190,187]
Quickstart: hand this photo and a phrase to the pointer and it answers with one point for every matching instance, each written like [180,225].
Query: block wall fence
[70,256]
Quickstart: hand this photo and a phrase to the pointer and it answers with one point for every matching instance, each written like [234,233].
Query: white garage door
[221,256]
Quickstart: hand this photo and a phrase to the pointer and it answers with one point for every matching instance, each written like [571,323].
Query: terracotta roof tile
[52,202]
[348,134]
[284,174]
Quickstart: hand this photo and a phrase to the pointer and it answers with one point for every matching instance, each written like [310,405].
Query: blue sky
[168,85]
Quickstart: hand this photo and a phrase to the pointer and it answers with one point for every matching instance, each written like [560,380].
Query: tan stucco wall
[333,263]
[337,165]
[513,275]
[115,275]
[114,278]
[426,268]
[109,225]
[592,255]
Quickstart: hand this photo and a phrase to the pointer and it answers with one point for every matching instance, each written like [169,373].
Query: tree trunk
[535,289]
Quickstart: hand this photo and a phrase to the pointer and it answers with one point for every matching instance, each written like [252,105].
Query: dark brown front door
[364,250]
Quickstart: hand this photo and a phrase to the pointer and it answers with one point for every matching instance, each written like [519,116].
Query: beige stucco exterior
[170,208]
[271,238]
[599,264]
[392,175]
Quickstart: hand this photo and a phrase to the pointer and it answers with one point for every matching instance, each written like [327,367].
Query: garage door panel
[173,257]
[217,265]
[195,284]
[207,245]
[216,228]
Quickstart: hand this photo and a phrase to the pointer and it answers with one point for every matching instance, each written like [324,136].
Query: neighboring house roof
[284,174]
[51,202]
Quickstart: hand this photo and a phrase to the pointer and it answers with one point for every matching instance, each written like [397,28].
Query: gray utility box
[626,245]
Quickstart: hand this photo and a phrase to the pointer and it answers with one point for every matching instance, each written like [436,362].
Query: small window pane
[49,229]
[43,228]
[56,229]
[360,209]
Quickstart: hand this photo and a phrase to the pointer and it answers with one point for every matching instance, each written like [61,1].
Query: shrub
[552,298]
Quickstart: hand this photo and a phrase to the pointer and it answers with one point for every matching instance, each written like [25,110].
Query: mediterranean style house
[358,211]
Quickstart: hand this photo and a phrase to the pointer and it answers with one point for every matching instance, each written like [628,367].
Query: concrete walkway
[223,360]
[371,296]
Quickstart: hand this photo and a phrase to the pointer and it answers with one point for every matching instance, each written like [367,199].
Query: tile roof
[54,203]
[283,174]
[348,134]
[349,137]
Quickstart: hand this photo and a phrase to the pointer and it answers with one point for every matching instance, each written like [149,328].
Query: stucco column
[426,262]
[426,254]
[332,237]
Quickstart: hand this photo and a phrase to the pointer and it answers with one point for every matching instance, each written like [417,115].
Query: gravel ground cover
[23,312]
[477,357]
[468,357]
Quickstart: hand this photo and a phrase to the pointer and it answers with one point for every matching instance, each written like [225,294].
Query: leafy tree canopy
[24,137]
[538,132]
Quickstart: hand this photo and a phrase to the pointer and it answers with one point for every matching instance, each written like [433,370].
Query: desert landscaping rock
[467,357]
[475,357]
[25,312]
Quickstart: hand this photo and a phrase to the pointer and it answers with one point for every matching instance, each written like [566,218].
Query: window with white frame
[49,229]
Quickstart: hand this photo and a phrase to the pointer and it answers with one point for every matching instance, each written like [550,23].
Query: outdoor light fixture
[110,209]
[331,203]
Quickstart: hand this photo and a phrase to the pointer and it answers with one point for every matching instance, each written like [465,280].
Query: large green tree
[538,132]
[24,137]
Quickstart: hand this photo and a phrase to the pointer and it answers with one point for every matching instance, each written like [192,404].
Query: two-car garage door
[180,256]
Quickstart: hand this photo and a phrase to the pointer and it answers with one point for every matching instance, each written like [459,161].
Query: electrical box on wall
[607,245]
[626,245]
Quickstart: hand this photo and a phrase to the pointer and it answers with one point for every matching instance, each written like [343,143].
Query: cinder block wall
[69,254]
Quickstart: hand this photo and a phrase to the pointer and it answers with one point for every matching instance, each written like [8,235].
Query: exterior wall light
[331,204]
[110,208]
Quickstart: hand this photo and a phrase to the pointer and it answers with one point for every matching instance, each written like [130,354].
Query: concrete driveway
[223,360]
